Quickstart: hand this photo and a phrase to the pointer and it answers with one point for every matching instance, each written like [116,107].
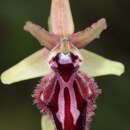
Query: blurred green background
[17,111]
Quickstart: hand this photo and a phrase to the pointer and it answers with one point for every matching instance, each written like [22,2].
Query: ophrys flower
[67,92]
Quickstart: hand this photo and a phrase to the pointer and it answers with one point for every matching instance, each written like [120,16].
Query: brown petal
[82,38]
[44,37]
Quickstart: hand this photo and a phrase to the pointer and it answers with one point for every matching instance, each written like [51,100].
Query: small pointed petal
[46,123]
[95,65]
[44,37]
[33,66]
[61,21]
[82,38]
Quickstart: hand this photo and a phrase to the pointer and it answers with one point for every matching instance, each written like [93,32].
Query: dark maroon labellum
[66,94]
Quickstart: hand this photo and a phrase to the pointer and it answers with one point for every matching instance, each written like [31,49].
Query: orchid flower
[67,92]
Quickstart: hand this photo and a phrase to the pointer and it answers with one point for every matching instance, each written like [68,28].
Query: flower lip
[70,107]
